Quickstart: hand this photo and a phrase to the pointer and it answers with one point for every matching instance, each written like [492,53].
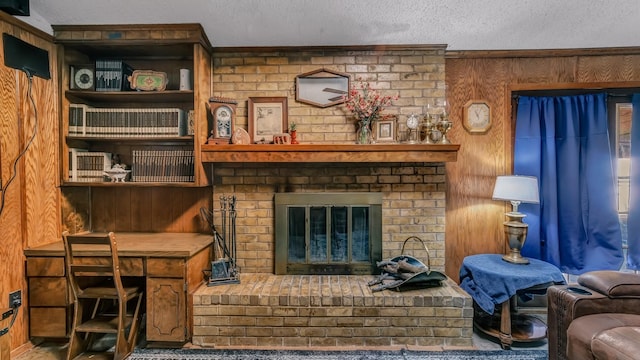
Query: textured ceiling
[460,24]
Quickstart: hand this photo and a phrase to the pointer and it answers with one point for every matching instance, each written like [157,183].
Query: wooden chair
[102,304]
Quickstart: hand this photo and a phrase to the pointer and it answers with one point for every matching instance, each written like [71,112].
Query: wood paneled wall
[473,219]
[31,214]
[135,209]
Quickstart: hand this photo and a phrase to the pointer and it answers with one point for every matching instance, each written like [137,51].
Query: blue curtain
[564,141]
[633,220]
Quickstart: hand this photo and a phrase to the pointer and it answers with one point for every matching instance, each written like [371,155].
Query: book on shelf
[162,166]
[85,120]
[112,75]
[191,122]
[88,166]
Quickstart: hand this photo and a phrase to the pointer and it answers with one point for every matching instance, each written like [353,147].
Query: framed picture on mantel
[268,116]
[385,131]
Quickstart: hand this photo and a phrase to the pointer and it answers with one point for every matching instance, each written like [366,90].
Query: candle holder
[428,127]
[444,125]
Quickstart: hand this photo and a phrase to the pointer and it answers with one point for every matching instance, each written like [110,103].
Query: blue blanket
[491,281]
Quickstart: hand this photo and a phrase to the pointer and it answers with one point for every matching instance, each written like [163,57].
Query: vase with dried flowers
[366,104]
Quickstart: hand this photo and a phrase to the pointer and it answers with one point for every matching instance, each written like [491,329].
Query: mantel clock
[223,111]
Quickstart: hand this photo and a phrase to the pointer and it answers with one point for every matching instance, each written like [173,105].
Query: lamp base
[515,232]
[515,258]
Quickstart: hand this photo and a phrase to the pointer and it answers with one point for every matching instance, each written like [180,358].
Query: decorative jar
[364,134]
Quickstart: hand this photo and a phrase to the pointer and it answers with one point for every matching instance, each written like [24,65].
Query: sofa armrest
[613,284]
[564,305]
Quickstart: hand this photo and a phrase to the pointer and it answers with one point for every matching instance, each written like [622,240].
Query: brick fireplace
[305,311]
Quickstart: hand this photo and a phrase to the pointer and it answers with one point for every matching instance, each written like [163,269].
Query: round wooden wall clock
[477,116]
[223,111]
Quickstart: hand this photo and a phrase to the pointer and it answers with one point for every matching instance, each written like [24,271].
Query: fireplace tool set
[223,265]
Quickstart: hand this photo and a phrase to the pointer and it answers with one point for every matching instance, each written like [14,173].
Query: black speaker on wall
[15,7]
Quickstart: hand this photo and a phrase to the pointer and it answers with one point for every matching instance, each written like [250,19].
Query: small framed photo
[268,116]
[385,130]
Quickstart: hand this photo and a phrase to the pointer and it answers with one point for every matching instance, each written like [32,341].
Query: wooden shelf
[131,184]
[131,96]
[141,140]
[331,153]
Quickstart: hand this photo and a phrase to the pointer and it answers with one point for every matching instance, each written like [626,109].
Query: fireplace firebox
[328,233]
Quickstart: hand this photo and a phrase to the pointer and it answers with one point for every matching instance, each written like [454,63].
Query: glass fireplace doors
[328,233]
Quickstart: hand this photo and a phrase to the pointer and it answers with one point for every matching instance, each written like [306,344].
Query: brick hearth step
[312,311]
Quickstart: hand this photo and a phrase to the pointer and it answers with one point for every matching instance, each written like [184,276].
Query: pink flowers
[366,103]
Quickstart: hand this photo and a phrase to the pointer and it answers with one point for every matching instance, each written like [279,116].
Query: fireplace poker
[232,239]
[223,211]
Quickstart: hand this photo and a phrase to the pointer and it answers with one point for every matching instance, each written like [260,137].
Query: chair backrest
[89,258]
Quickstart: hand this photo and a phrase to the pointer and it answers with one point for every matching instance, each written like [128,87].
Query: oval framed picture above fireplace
[328,233]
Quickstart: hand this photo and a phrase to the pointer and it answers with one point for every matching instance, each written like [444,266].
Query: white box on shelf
[88,166]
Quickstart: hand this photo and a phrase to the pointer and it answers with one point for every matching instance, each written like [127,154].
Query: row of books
[112,75]
[147,166]
[85,120]
[162,166]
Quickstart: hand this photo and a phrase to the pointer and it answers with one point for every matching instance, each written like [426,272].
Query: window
[620,123]
[622,133]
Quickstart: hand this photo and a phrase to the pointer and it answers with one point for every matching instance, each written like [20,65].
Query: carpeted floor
[210,354]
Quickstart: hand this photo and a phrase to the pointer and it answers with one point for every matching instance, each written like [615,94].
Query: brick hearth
[310,311]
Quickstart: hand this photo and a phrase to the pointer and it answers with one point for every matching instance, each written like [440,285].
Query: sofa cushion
[612,283]
[584,329]
[621,343]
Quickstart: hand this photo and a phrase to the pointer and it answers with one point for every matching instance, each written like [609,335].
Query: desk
[171,265]
[492,281]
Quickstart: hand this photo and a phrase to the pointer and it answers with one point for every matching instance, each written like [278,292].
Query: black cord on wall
[21,154]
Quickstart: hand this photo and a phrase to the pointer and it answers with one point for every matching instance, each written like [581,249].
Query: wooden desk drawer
[129,266]
[48,291]
[166,267]
[45,266]
[54,266]
[49,322]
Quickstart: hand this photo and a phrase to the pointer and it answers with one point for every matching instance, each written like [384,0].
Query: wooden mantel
[331,153]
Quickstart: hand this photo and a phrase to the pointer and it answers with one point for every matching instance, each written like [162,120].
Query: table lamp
[516,189]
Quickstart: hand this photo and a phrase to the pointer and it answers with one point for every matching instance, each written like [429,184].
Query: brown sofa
[597,319]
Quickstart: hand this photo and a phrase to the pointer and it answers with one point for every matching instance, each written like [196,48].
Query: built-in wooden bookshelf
[115,121]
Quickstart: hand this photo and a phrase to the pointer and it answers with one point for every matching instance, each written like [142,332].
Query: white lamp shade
[517,188]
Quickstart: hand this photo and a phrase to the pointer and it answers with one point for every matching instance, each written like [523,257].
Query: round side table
[493,282]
